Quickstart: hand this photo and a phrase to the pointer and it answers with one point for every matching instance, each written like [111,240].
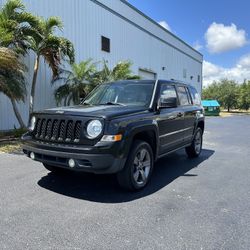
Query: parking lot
[189,204]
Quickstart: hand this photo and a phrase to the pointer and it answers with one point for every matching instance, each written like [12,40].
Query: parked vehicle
[121,127]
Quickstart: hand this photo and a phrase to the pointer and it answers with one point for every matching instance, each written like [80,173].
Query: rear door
[170,121]
[189,112]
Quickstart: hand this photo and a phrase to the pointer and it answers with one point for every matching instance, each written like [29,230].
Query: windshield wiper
[113,103]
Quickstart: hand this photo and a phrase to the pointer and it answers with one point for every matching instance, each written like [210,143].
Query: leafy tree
[15,26]
[212,91]
[52,48]
[12,81]
[244,99]
[229,94]
[226,92]
[78,82]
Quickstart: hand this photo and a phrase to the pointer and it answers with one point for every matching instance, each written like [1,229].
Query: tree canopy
[229,93]
[12,81]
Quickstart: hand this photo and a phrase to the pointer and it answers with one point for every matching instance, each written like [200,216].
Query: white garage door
[149,75]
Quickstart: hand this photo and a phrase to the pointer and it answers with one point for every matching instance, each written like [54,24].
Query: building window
[199,78]
[105,44]
[184,73]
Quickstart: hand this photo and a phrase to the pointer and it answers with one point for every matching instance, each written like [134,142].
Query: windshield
[130,93]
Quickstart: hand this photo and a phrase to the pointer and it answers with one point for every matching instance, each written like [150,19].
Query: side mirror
[170,102]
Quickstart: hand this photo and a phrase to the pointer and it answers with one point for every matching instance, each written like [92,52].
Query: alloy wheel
[198,142]
[142,166]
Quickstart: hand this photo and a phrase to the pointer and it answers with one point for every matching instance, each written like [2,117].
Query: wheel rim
[142,166]
[198,142]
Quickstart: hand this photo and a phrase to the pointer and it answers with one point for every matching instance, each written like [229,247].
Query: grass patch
[225,113]
[10,147]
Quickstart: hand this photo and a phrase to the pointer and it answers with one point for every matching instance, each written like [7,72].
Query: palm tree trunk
[17,114]
[33,86]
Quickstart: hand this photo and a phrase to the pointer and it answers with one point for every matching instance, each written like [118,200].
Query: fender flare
[132,130]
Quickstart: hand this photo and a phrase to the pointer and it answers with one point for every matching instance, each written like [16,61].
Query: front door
[170,122]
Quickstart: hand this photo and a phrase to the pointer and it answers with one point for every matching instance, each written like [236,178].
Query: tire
[138,168]
[195,148]
[53,169]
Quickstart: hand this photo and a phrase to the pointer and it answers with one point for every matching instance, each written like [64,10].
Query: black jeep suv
[121,127]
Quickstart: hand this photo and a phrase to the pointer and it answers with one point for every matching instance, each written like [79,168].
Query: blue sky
[220,29]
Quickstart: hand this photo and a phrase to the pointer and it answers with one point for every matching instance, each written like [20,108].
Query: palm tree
[83,77]
[52,48]
[12,81]
[122,71]
[78,82]
[15,26]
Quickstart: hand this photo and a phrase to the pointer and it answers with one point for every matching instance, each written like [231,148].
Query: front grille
[56,130]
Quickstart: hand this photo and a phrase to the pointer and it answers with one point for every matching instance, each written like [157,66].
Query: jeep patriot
[120,128]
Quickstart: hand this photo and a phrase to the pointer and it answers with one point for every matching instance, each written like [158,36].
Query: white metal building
[115,26]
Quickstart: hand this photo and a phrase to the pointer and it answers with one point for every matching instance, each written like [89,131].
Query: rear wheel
[195,149]
[138,168]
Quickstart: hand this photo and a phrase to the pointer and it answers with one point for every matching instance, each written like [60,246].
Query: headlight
[32,123]
[94,129]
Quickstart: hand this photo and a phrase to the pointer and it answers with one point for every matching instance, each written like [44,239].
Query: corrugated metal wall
[133,37]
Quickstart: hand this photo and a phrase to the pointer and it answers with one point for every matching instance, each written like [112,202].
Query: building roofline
[98,2]
[154,22]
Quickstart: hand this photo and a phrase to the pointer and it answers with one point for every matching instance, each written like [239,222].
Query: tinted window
[195,96]
[183,96]
[167,91]
[105,44]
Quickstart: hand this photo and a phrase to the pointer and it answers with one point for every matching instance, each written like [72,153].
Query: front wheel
[195,148]
[138,168]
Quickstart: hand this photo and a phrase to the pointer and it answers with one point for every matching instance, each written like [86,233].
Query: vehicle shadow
[104,188]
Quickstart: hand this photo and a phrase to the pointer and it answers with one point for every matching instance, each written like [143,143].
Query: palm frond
[11,7]
[61,93]
[54,49]
[13,22]
[53,22]
[26,17]
[12,81]
[78,82]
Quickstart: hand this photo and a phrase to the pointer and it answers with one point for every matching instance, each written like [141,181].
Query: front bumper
[99,159]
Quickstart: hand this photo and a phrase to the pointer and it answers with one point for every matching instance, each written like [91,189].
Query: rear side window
[195,96]
[183,96]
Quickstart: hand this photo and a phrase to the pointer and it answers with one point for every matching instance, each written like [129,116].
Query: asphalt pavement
[189,204]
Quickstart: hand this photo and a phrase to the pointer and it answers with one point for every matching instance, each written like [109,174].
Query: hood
[103,111]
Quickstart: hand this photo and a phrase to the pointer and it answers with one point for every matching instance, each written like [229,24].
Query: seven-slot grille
[57,130]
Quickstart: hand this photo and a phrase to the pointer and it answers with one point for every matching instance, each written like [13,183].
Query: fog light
[72,163]
[32,156]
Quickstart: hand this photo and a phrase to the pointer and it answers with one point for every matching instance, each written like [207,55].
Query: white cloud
[165,25]
[197,46]
[240,72]
[244,61]
[221,38]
